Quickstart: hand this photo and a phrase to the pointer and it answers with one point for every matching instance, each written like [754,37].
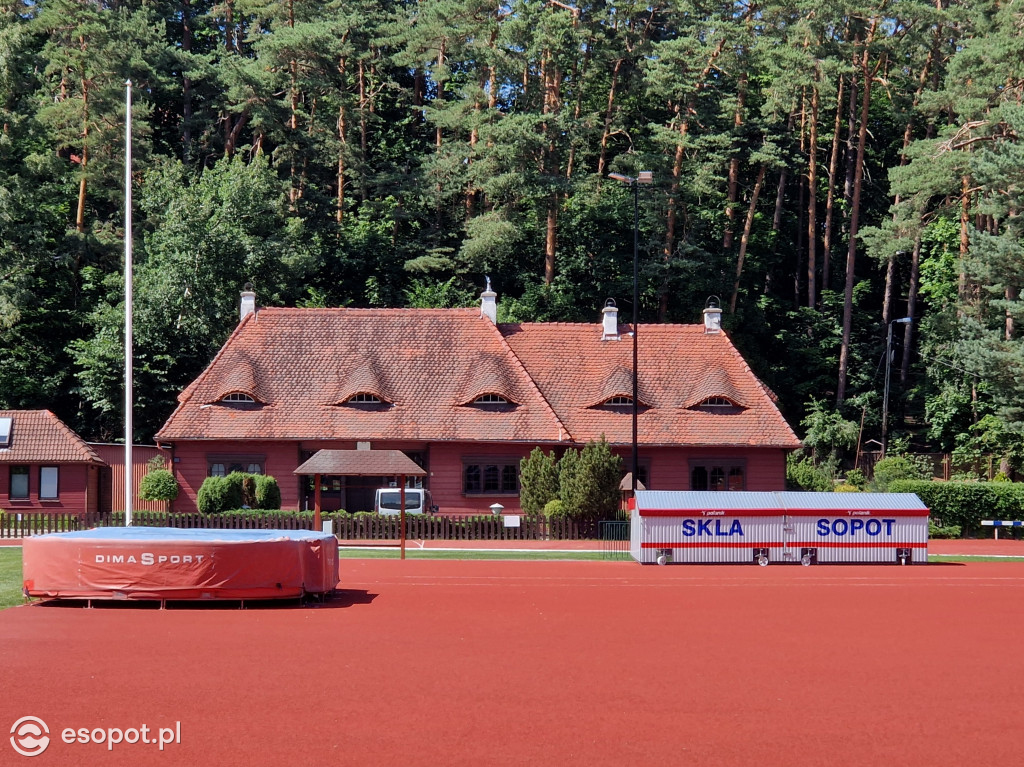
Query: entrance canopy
[362,463]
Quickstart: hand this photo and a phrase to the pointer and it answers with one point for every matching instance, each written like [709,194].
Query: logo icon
[30,736]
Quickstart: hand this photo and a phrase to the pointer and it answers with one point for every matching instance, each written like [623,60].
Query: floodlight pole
[644,177]
[129,490]
[888,369]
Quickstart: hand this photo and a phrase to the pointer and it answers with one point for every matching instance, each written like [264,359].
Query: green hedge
[965,504]
[220,494]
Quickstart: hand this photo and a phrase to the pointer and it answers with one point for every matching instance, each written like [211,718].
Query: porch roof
[361,463]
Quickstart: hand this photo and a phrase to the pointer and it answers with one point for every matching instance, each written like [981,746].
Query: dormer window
[620,400]
[237,396]
[717,402]
[490,399]
[365,398]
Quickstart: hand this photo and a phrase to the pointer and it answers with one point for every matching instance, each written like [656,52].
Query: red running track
[547,663]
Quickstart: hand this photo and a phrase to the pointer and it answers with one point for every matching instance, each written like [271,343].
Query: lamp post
[888,368]
[643,177]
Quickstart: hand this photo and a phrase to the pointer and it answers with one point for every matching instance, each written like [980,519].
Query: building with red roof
[467,399]
[45,466]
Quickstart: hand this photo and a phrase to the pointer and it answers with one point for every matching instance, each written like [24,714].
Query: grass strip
[10,576]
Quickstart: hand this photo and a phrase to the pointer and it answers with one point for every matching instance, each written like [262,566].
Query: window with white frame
[18,483]
[237,396]
[490,399]
[49,483]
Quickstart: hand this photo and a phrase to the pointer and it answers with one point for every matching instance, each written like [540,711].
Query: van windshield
[392,500]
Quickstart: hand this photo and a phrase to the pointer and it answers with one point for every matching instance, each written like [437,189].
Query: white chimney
[610,318]
[712,318]
[489,303]
[248,305]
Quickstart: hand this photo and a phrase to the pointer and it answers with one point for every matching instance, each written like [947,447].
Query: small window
[716,475]
[5,431]
[619,401]
[365,398]
[217,470]
[490,399]
[49,482]
[718,402]
[471,479]
[254,468]
[19,483]
[238,396]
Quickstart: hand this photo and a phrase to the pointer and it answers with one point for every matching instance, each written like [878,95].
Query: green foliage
[938,531]
[267,492]
[555,509]
[828,434]
[589,482]
[856,478]
[538,481]
[158,485]
[214,496]
[888,470]
[803,474]
[965,504]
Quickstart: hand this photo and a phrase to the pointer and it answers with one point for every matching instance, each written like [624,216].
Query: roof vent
[712,316]
[489,303]
[248,305]
[610,316]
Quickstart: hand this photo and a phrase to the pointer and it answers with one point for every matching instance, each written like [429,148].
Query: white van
[388,500]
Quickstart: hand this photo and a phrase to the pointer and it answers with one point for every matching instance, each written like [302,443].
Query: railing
[346,526]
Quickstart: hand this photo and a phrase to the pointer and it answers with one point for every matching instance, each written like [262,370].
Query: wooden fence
[346,526]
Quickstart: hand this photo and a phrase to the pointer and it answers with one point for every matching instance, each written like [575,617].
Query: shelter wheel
[805,560]
[662,559]
[762,560]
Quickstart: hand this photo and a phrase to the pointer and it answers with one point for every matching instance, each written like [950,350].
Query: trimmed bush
[802,474]
[268,493]
[555,509]
[213,494]
[936,531]
[889,470]
[158,485]
[966,503]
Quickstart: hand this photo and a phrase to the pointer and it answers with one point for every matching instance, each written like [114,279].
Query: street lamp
[888,367]
[643,177]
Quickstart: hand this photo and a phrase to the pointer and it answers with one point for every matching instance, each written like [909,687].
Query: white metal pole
[128,352]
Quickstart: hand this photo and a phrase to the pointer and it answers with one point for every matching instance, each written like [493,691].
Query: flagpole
[128,352]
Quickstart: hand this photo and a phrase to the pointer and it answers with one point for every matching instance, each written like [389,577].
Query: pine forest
[822,170]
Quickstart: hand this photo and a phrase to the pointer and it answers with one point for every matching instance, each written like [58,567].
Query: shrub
[589,481]
[802,474]
[856,478]
[212,497]
[555,509]
[268,493]
[965,504]
[937,531]
[538,480]
[158,485]
[898,467]
[846,487]
[235,490]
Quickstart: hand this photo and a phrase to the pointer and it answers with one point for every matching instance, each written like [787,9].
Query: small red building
[45,466]
[467,399]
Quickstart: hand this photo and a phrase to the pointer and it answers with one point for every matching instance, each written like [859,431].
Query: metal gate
[614,539]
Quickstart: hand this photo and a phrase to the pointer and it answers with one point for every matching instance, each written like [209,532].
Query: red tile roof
[38,436]
[679,367]
[426,364]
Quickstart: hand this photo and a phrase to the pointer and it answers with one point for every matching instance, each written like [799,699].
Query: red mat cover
[167,563]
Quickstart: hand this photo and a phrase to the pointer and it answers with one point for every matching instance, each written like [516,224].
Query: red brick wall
[72,482]
[669,468]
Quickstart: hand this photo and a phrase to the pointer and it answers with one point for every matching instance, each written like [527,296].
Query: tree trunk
[82,184]
[734,168]
[812,201]
[908,330]
[965,242]
[858,184]
[363,131]
[186,81]
[608,113]
[833,169]
[745,237]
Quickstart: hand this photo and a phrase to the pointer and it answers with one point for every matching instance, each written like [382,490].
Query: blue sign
[718,528]
[849,527]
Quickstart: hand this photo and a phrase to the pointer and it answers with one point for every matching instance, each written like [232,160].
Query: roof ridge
[531,382]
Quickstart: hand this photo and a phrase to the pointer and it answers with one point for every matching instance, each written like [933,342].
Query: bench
[997,523]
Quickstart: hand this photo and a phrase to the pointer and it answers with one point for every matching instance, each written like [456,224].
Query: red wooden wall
[77,490]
